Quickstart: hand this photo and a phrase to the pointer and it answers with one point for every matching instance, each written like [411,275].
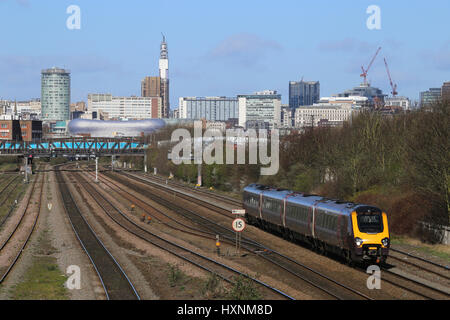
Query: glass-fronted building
[208,108]
[55,94]
[303,93]
[430,97]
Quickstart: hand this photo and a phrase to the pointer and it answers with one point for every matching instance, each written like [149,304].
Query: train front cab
[370,234]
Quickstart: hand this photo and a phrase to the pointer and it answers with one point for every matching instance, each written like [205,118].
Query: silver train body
[356,231]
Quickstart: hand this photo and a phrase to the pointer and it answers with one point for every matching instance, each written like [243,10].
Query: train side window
[319,218]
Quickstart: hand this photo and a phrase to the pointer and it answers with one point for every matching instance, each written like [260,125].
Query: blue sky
[223,47]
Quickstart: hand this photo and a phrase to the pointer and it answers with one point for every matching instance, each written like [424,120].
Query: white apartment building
[287,116]
[260,107]
[324,114]
[402,102]
[21,108]
[133,108]
[351,100]
[29,107]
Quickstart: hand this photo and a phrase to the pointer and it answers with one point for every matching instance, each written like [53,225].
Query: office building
[324,114]
[400,102]
[302,93]
[287,116]
[374,95]
[260,107]
[350,100]
[445,91]
[30,109]
[208,108]
[151,87]
[118,108]
[20,130]
[55,94]
[429,97]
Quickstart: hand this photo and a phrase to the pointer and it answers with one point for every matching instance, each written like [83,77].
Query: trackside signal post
[238,226]
[96,169]
[218,245]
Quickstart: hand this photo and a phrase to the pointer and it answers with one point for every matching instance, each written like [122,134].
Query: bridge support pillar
[113,159]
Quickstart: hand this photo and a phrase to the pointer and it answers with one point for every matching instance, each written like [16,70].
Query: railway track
[225,199]
[188,194]
[314,278]
[404,282]
[7,184]
[6,197]
[415,286]
[213,266]
[6,194]
[426,268]
[439,269]
[115,282]
[20,236]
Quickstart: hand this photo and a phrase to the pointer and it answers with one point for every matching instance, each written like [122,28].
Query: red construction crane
[393,85]
[364,72]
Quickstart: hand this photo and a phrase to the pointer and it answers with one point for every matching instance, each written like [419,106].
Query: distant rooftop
[55,70]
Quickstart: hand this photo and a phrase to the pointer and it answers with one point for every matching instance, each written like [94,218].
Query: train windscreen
[370,222]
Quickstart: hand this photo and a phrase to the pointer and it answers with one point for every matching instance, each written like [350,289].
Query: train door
[341,231]
[260,205]
[313,225]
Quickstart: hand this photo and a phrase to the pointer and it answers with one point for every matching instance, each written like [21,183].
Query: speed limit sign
[238,225]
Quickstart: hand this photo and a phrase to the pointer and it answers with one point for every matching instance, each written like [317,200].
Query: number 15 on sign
[238,225]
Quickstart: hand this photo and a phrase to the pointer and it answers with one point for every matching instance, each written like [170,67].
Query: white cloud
[244,49]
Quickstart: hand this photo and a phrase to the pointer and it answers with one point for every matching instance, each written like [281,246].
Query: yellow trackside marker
[218,247]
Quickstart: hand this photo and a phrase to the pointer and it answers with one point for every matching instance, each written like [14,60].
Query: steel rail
[3,245]
[11,266]
[220,197]
[8,193]
[421,259]
[250,242]
[124,216]
[405,278]
[69,200]
[419,267]
[146,181]
[224,212]
[8,183]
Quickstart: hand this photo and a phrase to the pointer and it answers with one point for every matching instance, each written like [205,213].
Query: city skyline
[224,59]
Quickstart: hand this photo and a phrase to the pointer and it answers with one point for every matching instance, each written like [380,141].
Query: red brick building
[20,130]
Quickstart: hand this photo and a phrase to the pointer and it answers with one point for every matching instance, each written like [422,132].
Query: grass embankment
[43,280]
[439,250]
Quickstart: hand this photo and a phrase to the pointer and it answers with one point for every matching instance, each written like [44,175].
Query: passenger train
[357,232]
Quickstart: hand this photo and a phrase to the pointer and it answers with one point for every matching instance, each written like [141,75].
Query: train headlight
[385,242]
[358,241]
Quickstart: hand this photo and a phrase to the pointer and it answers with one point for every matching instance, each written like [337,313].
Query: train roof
[278,193]
[333,205]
